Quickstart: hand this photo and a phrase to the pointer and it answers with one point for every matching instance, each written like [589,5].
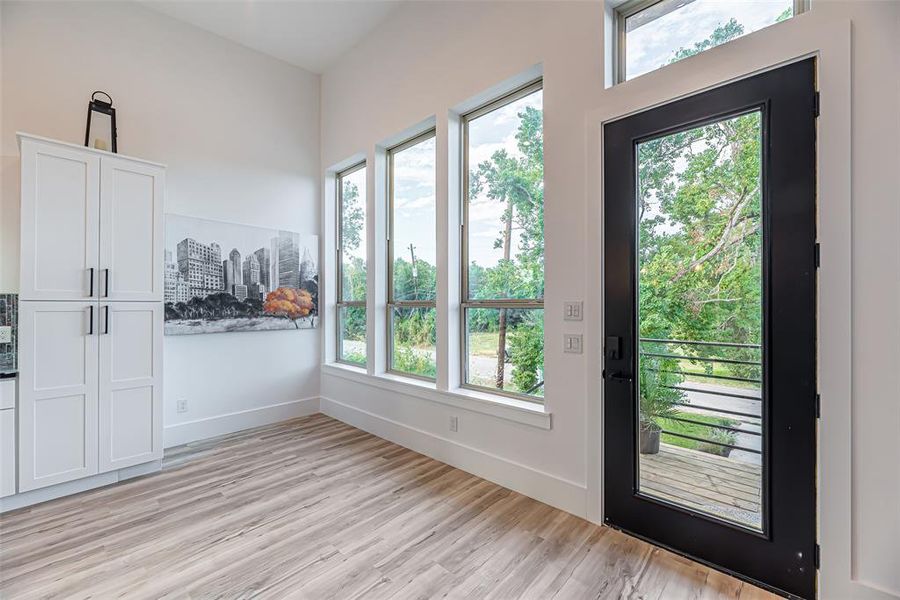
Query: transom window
[351,264]
[412,258]
[655,33]
[503,246]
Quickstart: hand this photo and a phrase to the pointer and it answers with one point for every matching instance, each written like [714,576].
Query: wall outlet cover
[182,405]
[454,423]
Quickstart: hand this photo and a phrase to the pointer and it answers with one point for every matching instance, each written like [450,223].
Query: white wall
[431,56]
[443,71]
[239,132]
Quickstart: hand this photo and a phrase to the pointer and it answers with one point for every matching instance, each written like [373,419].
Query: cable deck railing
[681,351]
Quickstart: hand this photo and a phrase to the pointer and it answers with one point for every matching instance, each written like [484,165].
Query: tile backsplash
[9,313]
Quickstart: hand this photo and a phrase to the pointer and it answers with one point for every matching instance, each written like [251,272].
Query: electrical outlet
[572,343]
[181,406]
[572,311]
[454,423]
[5,334]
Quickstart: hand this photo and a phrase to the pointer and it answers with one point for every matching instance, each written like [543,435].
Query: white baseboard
[201,429]
[549,489]
[68,488]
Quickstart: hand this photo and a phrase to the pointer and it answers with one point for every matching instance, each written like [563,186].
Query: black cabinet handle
[91,320]
[91,293]
[106,320]
[106,283]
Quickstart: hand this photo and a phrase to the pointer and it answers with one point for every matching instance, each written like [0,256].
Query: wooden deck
[716,485]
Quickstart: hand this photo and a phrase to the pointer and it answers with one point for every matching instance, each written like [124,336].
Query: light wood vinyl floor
[313,508]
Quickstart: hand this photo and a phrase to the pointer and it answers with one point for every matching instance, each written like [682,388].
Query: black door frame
[782,557]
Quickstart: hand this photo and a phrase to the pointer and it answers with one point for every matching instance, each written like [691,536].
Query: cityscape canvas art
[222,277]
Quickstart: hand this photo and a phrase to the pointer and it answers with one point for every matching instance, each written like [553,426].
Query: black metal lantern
[101,133]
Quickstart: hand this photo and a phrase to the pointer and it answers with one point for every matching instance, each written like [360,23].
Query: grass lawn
[718,369]
[483,343]
[701,431]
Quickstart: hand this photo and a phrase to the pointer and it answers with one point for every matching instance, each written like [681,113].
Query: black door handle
[91,293]
[621,377]
[91,320]
[106,283]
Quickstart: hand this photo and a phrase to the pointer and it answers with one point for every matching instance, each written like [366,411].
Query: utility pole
[415,271]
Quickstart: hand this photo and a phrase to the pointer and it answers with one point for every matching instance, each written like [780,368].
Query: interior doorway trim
[828,39]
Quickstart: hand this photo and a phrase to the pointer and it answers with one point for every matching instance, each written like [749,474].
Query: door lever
[621,377]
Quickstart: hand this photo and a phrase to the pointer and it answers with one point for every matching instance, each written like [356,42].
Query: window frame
[632,7]
[393,303]
[339,279]
[465,301]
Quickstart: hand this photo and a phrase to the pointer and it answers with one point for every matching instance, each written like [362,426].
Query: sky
[414,202]
[491,132]
[414,168]
[652,45]
[414,188]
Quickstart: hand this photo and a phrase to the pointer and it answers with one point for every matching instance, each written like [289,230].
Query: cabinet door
[130,383]
[7,452]
[58,392]
[131,230]
[59,222]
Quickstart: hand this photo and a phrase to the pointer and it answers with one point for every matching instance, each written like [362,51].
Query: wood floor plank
[313,508]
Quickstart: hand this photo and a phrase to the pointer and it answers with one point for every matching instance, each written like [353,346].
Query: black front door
[710,318]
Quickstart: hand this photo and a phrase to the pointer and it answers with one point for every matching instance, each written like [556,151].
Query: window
[503,246]
[412,258]
[351,265]
[655,33]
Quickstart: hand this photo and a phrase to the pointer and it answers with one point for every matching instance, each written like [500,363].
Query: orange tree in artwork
[288,302]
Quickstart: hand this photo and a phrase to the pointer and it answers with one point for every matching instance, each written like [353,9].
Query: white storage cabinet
[90,312]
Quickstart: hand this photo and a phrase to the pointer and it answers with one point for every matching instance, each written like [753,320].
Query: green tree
[723,33]
[353,268]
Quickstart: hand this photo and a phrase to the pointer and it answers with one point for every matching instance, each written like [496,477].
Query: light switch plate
[573,311]
[5,334]
[572,343]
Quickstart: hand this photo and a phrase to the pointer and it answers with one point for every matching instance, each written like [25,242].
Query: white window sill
[502,407]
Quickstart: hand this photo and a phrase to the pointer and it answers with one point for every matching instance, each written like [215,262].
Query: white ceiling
[310,34]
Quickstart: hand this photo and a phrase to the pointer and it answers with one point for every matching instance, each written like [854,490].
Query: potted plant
[658,400]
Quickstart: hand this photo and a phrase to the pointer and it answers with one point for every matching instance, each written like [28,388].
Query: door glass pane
[700,319]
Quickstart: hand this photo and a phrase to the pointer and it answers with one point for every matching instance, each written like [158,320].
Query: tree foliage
[289,303]
[722,33]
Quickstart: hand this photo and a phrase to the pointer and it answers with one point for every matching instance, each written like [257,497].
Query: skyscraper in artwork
[307,267]
[264,257]
[288,259]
